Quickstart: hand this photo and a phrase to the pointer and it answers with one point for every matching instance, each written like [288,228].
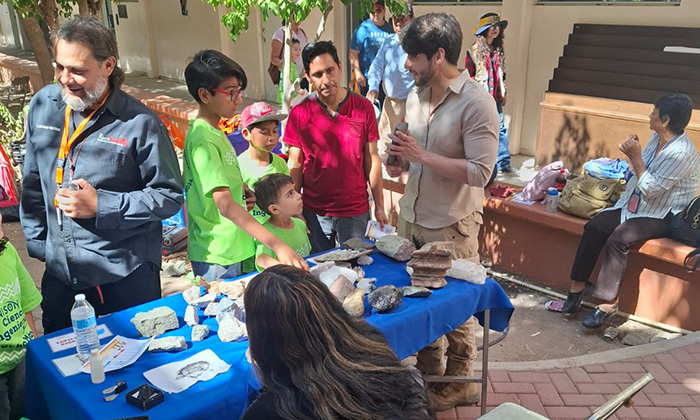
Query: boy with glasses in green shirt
[221,230]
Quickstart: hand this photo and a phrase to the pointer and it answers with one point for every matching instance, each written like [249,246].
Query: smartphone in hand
[400,127]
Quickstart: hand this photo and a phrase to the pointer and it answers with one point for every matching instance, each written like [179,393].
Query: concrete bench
[528,241]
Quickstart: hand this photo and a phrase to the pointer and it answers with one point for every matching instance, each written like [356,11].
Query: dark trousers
[12,393]
[325,230]
[605,233]
[141,286]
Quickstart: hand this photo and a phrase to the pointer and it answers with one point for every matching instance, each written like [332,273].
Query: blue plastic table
[408,328]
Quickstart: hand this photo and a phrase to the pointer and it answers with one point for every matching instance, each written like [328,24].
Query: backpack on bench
[685,228]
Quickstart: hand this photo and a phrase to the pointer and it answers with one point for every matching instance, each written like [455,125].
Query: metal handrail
[623,398]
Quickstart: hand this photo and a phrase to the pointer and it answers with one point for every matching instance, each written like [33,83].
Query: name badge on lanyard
[633,205]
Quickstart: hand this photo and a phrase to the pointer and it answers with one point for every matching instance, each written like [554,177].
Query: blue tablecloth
[408,328]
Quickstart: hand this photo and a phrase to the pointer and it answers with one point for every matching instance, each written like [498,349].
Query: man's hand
[503,101]
[380,216]
[361,81]
[372,95]
[287,256]
[250,198]
[631,148]
[80,204]
[406,147]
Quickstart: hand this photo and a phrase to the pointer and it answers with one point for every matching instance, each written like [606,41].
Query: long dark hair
[484,49]
[317,362]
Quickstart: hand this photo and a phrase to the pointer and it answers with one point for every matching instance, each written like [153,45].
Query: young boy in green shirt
[276,195]
[260,128]
[221,230]
[293,71]
[18,296]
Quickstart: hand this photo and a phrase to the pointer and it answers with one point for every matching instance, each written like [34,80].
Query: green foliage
[12,126]
[236,19]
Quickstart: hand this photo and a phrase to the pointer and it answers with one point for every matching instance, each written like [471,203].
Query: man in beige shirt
[449,152]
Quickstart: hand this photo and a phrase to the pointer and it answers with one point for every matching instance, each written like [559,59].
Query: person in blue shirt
[365,43]
[388,66]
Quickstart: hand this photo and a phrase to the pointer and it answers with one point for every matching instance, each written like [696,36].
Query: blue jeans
[211,272]
[503,153]
[325,230]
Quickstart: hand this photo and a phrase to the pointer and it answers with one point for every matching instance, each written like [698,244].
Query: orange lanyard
[66,143]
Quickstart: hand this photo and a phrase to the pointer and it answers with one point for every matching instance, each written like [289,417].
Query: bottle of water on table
[82,316]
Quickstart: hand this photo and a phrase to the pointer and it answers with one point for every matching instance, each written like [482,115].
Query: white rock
[155,322]
[205,300]
[231,329]
[176,343]
[211,309]
[468,271]
[192,294]
[191,315]
[227,309]
[241,303]
[200,332]
[367,284]
[174,269]
[318,269]
[329,276]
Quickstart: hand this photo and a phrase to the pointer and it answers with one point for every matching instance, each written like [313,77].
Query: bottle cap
[79,297]
[552,191]
[95,352]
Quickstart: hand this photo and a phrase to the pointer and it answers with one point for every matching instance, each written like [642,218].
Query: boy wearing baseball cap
[221,230]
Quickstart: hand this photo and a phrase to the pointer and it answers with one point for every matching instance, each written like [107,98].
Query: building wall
[132,39]
[551,26]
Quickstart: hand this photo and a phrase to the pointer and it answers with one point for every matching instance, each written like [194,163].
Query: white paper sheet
[68,365]
[178,376]
[67,341]
[120,352]
[374,232]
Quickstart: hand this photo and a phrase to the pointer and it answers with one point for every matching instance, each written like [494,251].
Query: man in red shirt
[332,137]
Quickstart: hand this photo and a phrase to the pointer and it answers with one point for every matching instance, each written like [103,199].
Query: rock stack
[430,263]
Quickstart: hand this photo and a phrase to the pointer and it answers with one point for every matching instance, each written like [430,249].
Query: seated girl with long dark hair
[317,362]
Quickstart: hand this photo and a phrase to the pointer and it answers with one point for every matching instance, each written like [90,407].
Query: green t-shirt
[210,163]
[18,296]
[296,238]
[293,74]
[251,172]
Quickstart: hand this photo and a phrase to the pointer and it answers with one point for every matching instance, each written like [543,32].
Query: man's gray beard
[90,99]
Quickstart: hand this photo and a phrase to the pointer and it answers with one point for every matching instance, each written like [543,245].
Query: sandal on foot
[573,300]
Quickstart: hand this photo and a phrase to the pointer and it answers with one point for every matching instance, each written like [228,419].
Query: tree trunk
[91,7]
[41,50]
[83,7]
[49,10]
[286,69]
[324,20]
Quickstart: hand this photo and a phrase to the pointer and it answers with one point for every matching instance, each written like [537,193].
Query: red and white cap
[259,112]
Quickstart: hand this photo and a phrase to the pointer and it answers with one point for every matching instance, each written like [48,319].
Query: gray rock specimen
[366,284]
[240,302]
[360,273]
[231,329]
[430,264]
[172,344]
[192,294]
[211,309]
[385,298]
[354,304]
[174,269]
[416,292]
[228,309]
[232,289]
[365,260]
[341,288]
[200,332]
[155,322]
[191,315]
[610,334]
[205,300]
[357,244]
[664,336]
[396,247]
[318,269]
[635,339]
[342,255]
[468,271]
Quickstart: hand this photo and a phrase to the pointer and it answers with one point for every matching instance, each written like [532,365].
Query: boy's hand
[249,197]
[380,215]
[287,256]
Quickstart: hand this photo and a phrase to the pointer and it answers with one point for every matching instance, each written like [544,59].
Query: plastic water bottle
[551,200]
[82,316]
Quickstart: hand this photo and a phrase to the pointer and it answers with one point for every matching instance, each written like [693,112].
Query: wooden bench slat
[618,66]
[659,84]
[639,56]
[636,42]
[637,30]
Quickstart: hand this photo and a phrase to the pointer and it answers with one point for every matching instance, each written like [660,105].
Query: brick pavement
[572,393]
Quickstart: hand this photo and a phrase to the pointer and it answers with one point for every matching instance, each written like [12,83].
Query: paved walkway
[573,388]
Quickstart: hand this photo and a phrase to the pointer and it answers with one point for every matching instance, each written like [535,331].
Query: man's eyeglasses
[232,93]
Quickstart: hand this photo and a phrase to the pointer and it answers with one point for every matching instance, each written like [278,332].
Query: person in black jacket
[317,362]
